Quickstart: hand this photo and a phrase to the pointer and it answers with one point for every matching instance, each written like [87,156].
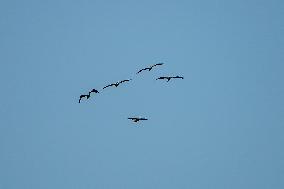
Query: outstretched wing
[142,70]
[126,80]
[109,85]
[81,96]
[158,64]
[143,118]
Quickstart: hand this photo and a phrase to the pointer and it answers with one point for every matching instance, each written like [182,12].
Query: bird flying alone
[168,78]
[136,119]
[150,68]
[84,96]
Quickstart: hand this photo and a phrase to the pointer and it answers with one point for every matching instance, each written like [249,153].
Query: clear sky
[221,127]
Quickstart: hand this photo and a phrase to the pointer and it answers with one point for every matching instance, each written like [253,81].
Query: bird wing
[109,85]
[143,119]
[163,78]
[81,96]
[142,70]
[159,64]
[124,80]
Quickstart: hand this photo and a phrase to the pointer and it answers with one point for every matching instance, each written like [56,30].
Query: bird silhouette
[84,96]
[150,68]
[117,83]
[168,78]
[136,119]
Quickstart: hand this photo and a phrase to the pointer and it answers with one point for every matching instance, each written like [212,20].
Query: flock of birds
[134,119]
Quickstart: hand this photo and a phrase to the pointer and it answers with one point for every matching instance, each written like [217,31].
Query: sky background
[221,127]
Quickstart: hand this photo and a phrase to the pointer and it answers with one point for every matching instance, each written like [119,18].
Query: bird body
[169,77]
[136,119]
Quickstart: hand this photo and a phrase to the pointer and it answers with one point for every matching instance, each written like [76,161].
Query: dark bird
[150,68]
[117,83]
[169,78]
[136,119]
[84,96]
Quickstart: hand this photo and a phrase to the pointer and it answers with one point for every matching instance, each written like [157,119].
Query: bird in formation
[117,83]
[136,119]
[150,68]
[168,78]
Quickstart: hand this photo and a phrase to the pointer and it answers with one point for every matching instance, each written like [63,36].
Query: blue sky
[221,127]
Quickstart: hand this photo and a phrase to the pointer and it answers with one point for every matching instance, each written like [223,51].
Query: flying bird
[136,119]
[168,78]
[117,83]
[84,96]
[150,68]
